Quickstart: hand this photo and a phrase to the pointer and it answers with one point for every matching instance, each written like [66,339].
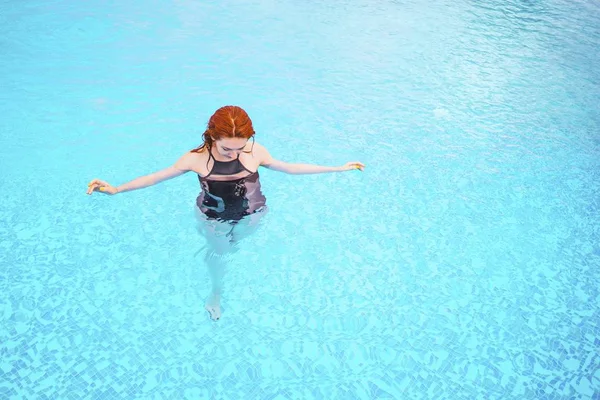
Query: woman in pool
[230,203]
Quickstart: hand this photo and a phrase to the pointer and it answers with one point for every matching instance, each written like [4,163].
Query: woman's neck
[217,156]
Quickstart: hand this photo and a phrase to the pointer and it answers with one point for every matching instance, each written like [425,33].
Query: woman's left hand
[352,165]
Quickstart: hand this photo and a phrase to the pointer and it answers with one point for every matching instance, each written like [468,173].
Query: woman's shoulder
[194,160]
[259,149]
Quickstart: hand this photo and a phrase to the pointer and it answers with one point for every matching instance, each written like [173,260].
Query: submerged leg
[216,264]
[247,226]
[218,237]
[222,241]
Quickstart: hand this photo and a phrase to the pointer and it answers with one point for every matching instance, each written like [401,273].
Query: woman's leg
[223,240]
[218,236]
[247,225]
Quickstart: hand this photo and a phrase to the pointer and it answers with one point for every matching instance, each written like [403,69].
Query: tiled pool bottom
[462,264]
[113,332]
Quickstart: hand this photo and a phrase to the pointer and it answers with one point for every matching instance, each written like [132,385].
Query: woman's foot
[213,306]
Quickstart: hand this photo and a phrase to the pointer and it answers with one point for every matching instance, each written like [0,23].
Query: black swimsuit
[229,200]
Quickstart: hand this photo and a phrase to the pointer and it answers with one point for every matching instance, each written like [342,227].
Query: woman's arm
[151,179]
[299,169]
[183,165]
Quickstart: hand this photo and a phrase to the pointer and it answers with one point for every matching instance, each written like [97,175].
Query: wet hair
[226,123]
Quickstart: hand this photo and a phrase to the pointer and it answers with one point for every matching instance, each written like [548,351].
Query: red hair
[227,122]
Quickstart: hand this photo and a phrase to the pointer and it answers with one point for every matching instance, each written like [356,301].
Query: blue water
[461,264]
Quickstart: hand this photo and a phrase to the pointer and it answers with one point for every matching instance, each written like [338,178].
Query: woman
[231,202]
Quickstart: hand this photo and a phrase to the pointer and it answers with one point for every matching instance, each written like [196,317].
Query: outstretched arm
[182,166]
[300,169]
[151,179]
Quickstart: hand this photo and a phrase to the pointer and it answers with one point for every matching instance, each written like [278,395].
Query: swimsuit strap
[207,161]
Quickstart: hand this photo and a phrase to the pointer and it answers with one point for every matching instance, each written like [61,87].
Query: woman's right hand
[98,185]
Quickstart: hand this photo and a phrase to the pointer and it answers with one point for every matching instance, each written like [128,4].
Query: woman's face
[230,148]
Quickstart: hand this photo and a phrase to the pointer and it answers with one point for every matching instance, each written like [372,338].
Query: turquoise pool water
[462,263]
